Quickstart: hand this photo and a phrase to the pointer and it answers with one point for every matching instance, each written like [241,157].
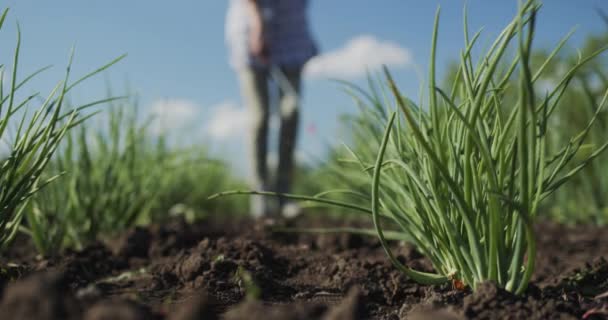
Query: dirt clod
[351,307]
[118,310]
[134,244]
[256,310]
[199,306]
[38,297]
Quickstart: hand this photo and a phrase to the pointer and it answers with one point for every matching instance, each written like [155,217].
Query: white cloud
[227,121]
[174,114]
[360,54]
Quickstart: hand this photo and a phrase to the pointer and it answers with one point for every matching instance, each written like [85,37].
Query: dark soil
[228,270]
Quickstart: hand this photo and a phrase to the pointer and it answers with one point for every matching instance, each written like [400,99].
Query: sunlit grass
[116,173]
[34,140]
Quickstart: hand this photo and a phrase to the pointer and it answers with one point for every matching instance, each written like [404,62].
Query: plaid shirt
[290,41]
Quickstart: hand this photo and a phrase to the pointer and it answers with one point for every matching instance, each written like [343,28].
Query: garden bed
[212,268]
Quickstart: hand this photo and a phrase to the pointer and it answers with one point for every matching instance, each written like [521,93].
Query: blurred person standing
[270,40]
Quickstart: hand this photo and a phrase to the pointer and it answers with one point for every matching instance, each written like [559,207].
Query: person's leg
[289,101]
[254,90]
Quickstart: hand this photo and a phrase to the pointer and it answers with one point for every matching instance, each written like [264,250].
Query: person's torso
[287,30]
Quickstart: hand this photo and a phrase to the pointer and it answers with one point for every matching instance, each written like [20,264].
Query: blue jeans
[255,92]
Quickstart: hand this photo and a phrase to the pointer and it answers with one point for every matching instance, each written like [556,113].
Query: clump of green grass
[117,173]
[466,179]
[192,175]
[583,199]
[32,138]
[463,176]
[110,175]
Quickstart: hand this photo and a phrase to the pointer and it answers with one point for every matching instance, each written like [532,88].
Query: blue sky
[177,57]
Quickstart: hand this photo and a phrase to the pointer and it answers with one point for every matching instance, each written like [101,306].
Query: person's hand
[258,42]
[258,45]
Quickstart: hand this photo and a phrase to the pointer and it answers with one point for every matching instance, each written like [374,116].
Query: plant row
[72,173]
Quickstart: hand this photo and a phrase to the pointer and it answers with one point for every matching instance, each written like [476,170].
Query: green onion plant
[31,137]
[110,179]
[117,173]
[465,179]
